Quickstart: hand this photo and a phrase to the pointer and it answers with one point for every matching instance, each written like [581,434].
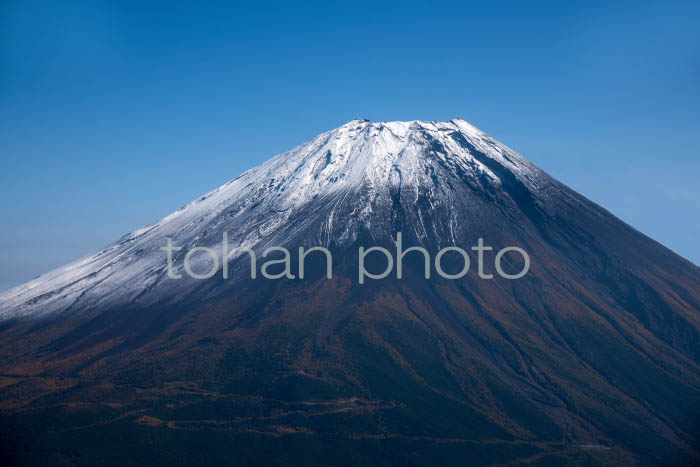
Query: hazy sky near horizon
[114,114]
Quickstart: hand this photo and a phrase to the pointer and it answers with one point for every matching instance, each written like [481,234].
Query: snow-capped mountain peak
[326,189]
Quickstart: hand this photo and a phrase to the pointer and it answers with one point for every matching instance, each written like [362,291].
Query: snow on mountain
[351,171]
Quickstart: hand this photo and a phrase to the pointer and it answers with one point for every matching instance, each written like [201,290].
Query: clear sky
[114,114]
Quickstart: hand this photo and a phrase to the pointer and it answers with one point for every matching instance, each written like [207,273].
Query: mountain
[593,357]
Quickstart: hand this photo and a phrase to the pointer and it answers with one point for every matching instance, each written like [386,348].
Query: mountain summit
[593,357]
[327,191]
[361,177]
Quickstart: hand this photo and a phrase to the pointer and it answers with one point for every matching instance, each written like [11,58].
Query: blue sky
[113,114]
